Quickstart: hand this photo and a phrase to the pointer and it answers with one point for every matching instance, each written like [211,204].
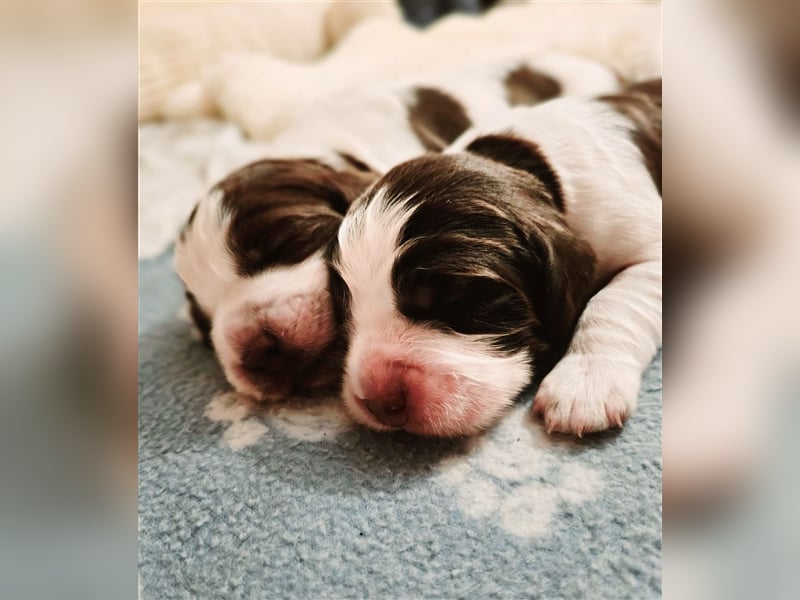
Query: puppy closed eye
[430,295]
[462,303]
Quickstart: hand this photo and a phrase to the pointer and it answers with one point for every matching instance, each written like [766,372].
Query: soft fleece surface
[292,501]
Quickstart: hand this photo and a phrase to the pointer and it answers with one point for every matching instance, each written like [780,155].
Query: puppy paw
[583,394]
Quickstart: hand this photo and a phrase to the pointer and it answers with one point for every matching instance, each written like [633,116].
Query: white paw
[584,394]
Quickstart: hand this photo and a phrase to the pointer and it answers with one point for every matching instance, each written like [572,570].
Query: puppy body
[611,198]
[447,322]
[623,34]
[251,255]
[613,201]
[386,125]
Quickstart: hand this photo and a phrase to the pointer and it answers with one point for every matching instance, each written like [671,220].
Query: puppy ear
[271,182]
[564,261]
[565,265]
[522,155]
[283,210]
[348,183]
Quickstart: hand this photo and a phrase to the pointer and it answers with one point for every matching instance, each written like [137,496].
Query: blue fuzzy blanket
[292,501]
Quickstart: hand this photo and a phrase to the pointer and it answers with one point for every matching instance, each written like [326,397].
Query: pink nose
[388,410]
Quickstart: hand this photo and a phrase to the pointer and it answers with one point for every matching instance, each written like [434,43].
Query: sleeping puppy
[251,255]
[461,277]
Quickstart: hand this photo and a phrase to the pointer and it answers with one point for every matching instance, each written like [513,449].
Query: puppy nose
[263,354]
[390,410]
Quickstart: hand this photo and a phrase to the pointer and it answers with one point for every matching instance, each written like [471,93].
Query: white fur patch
[185,316]
[290,302]
[577,76]
[587,393]
[368,239]
[203,260]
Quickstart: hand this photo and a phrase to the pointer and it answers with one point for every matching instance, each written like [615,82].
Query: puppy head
[251,259]
[456,277]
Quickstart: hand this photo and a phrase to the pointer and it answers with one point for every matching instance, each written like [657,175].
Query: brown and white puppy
[256,283]
[462,276]
[251,255]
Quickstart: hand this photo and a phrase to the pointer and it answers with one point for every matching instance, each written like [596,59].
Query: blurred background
[69,250]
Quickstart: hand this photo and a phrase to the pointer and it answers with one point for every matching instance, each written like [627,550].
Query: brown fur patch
[282,211]
[641,104]
[523,155]
[436,118]
[525,86]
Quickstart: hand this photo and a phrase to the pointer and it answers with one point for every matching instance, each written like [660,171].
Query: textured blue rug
[292,501]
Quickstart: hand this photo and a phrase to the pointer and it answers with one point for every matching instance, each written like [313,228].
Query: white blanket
[178,162]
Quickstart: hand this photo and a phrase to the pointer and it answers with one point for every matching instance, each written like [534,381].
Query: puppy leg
[596,384]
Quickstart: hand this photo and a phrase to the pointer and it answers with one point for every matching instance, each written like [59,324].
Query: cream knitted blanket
[179,41]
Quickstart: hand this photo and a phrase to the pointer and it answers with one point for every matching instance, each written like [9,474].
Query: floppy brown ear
[283,210]
[563,261]
[566,280]
[270,182]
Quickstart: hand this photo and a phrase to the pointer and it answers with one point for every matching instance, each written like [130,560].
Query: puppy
[461,277]
[251,255]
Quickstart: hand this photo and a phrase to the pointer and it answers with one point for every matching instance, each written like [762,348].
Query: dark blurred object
[771,27]
[787,73]
[730,446]
[424,12]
